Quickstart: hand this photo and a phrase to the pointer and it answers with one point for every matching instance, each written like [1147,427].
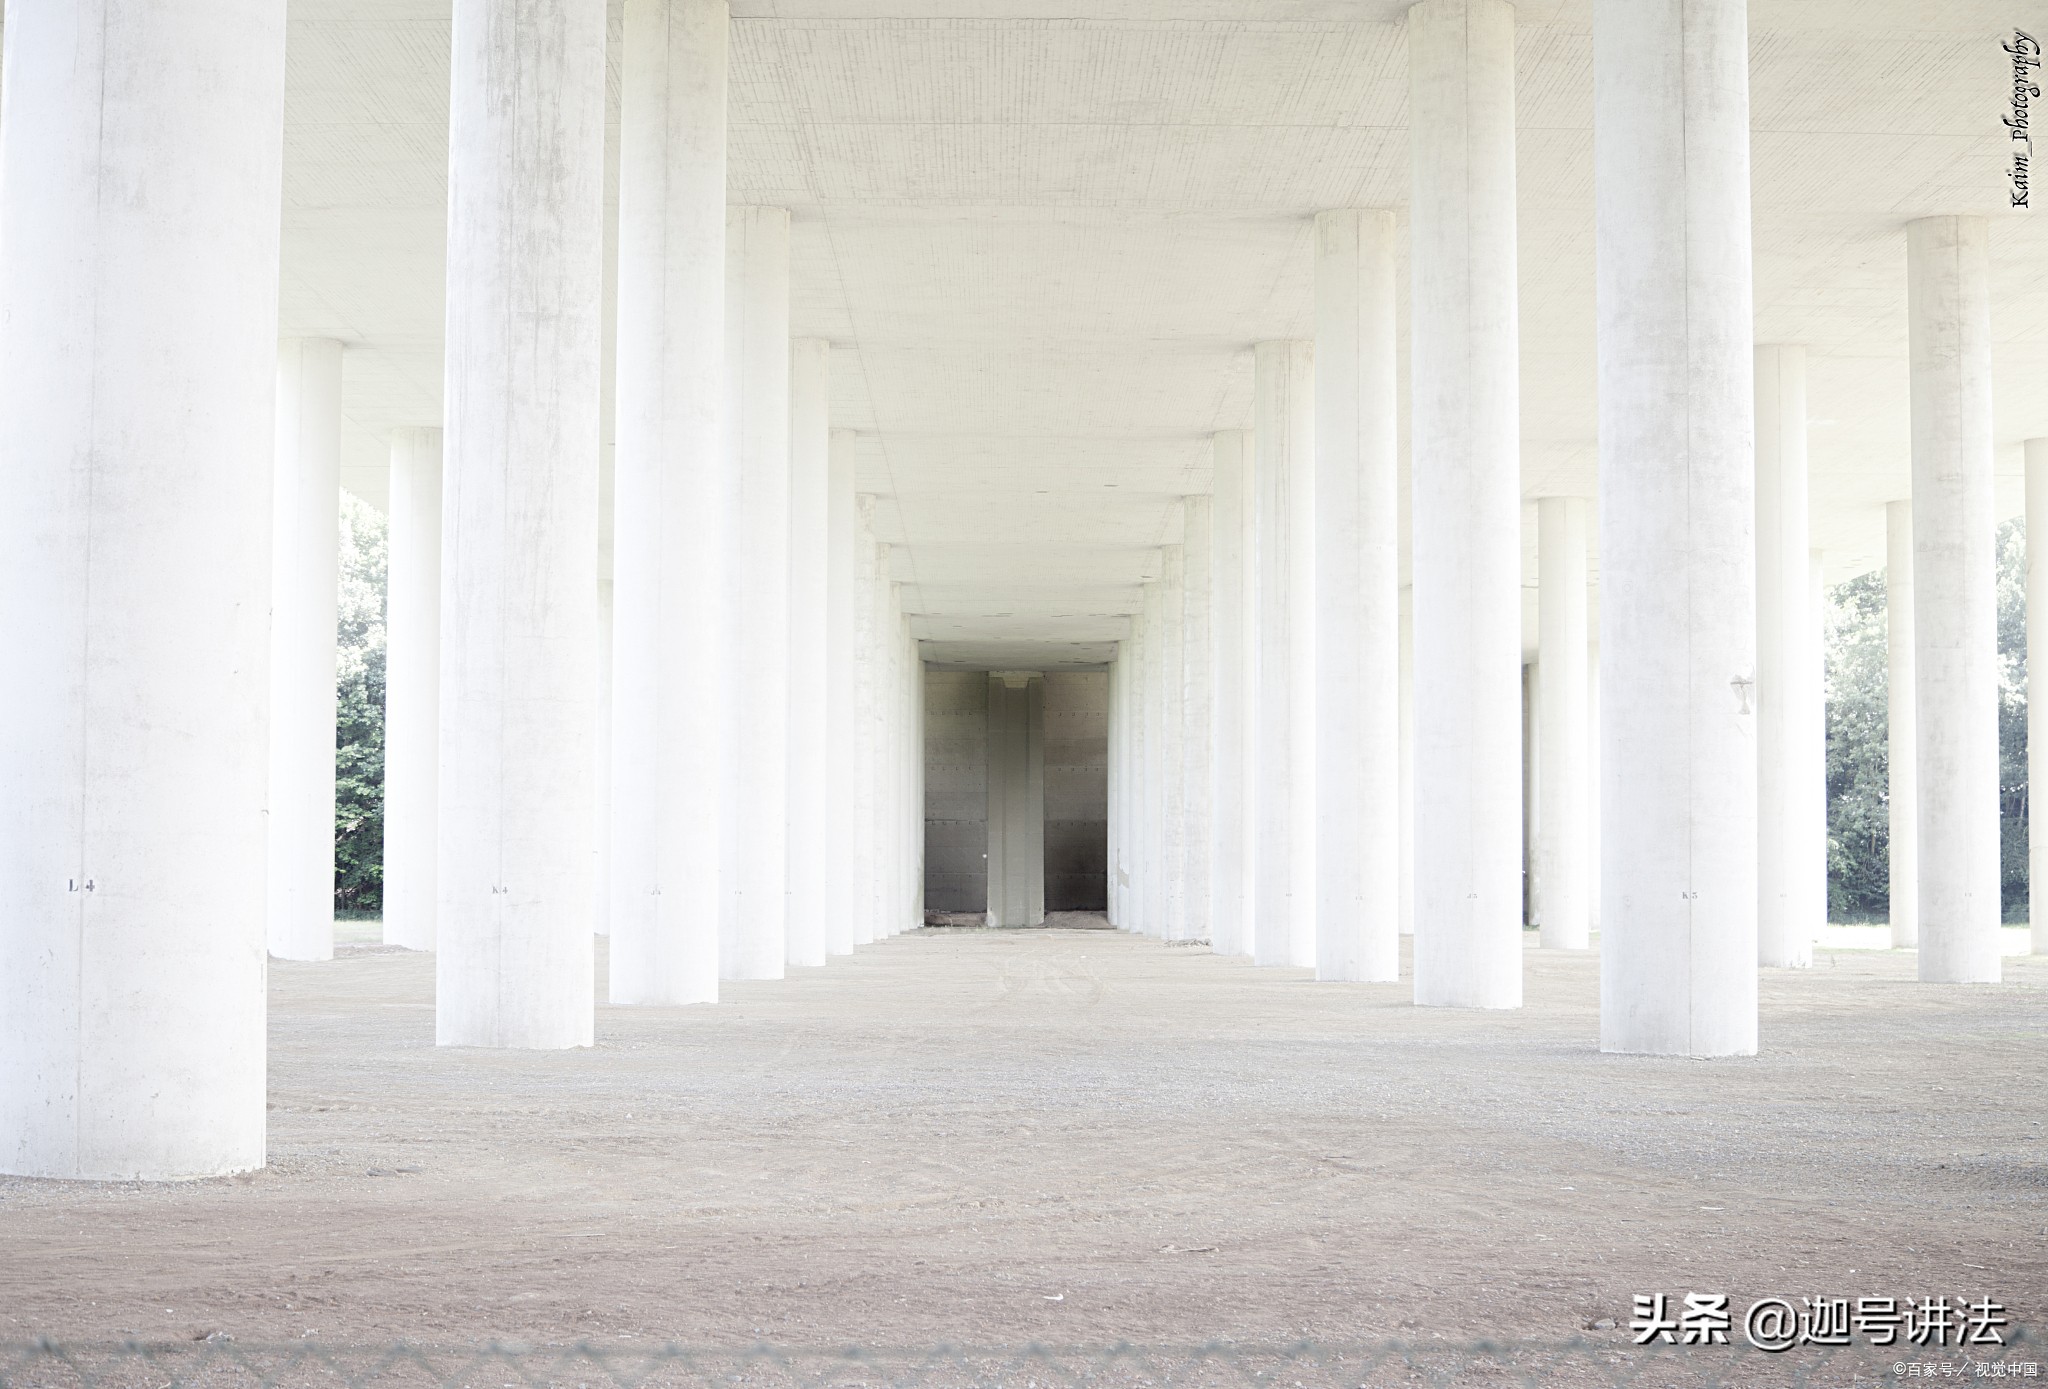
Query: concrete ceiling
[1042,236]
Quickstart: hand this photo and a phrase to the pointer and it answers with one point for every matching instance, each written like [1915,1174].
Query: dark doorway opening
[982,774]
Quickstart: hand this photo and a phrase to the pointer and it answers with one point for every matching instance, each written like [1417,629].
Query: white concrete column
[1283,737]
[810,538]
[1563,863]
[607,457]
[896,731]
[889,732]
[1151,780]
[912,892]
[1152,843]
[1172,761]
[1902,758]
[135,583]
[1356,594]
[910,896]
[1815,754]
[1133,861]
[518,597]
[866,797]
[1161,752]
[1955,619]
[1593,785]
[905,733]
[2037,690]
[1113,892]
[1123,868]
[1532,790]
[1466,502]
[1135,853]
[874,798]
[1122,847]
[1677,528]
[1198,597]
[1112,909]
[842,713]
[305,578]
[1791,772]
[601,731]
[1230,637]
[1406,865]
[1133,847]
[1016,798]
[1138,899]
[915,916]
[753,935]
[669,557]
[412,689]
[889,716]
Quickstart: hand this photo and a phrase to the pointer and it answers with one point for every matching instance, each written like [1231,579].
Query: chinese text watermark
[1778,1324]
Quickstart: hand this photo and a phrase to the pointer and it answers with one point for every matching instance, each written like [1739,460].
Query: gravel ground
[1074,1136]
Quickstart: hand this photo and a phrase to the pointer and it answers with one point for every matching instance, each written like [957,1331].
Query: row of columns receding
[755,710]
[160,758]
[715,752]
[1311,759]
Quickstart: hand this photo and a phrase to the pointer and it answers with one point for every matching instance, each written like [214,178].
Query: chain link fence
[220,1363]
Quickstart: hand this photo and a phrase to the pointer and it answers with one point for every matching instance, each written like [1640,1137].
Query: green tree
[359,725]
[1859,802]
[2012,718]
[1859,798]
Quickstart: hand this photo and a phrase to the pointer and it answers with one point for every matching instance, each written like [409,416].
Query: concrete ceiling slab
[1043,235]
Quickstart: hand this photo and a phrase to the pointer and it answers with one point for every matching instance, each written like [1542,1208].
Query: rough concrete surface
[1078,1137]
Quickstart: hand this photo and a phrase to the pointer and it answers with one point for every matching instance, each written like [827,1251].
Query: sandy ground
[1079,1137]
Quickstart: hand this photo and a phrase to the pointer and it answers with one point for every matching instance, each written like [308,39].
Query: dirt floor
[1077,1137]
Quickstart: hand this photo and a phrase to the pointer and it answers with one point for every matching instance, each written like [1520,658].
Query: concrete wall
[1076,790]
[955,790]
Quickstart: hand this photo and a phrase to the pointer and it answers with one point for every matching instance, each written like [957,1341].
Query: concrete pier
[1357,727]
[1232,630]
[1903,759]
[670,556]
[1955,635]
[1564,850]
[1466,528]
[753,940]
[519,640]
[305,567]
[1282,737]
[1678,944]
[135,584]
[412,691]
[1792,868]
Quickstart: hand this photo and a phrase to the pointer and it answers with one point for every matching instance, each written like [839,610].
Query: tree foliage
[1859,795]
[2012,718]
[359,724]
[1859,800]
